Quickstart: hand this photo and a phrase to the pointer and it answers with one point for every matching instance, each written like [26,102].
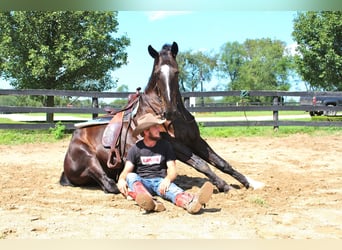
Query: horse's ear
[152,52]
[174,49]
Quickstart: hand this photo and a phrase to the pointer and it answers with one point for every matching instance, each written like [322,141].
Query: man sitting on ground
[150,169]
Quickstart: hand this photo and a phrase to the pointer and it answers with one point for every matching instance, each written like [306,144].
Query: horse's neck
[182,110]
[150,103]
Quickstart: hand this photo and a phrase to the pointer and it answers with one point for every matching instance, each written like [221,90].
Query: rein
[153,109]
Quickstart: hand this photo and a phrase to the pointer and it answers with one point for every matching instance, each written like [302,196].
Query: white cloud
[158,15]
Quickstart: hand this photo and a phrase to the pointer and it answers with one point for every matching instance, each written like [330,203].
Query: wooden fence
[274,107]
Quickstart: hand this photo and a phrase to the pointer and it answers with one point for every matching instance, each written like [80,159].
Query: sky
[196,31]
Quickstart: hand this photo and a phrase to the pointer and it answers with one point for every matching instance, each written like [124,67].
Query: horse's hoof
[255,184]
[228,188]
[112,191]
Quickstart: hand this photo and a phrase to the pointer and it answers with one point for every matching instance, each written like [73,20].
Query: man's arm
[171,170]
[122,184]
[170,177]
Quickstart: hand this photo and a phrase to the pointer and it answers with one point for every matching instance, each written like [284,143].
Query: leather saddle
[113,132]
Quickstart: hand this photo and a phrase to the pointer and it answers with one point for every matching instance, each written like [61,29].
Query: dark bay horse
[86,158]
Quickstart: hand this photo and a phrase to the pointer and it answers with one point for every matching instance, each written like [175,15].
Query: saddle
[112,133]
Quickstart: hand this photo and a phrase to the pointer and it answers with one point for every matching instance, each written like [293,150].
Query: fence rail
[275,107]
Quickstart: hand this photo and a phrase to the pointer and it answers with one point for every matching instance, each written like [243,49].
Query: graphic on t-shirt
[149,160]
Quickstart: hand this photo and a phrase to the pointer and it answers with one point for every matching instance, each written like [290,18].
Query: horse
[86,159]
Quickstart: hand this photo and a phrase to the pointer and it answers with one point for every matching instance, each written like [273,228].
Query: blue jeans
[152,185]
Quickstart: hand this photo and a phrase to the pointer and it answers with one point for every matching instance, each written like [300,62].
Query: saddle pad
[99,121]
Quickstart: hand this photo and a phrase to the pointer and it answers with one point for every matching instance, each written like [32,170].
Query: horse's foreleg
[225,167]
[208,154]
[200,165]
[185,154]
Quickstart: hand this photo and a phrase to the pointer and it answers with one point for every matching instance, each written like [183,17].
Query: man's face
[153,133]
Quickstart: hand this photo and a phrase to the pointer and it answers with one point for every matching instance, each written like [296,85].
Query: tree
[195,68]
[231,58]
[60,50]
[120,102]
[266,65]
[255,65]
[122,88]
[319,38]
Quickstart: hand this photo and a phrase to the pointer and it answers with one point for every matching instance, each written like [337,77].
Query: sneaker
[200,198]
[146,202]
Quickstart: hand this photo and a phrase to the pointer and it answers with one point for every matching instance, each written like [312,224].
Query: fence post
[275,113]
[95,104]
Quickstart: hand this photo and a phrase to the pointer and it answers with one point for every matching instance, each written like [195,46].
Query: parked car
[321,101]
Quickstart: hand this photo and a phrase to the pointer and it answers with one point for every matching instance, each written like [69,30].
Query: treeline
[266,64]
[253,65]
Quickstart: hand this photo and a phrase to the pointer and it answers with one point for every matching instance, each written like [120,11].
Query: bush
[58,131]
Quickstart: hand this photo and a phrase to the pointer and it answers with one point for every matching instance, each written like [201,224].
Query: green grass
[86,116]
[227,132]
[5,120]
[247,113]
[17,137]
[259,201]
[23,136]
[11,137]
[327,118]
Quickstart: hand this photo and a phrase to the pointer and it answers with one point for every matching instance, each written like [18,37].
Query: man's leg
[141,195]
[193,203]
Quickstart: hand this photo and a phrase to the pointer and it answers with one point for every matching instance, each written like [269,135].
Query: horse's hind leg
[64,181]
[82,168]
[96,172]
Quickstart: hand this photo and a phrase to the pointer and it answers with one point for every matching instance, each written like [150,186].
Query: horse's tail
[64,181]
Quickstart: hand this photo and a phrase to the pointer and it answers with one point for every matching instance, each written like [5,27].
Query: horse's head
[164,78]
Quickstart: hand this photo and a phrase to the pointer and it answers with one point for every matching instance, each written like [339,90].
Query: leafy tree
[120,102]
[231,58]
[260,64]
[266,66]
[60,50]
[195,69]
[122,88]
[319,38]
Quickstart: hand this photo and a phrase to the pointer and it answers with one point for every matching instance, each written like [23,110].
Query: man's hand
[122,185]
[164,186]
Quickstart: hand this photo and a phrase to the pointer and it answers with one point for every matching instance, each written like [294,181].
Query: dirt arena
[302,197]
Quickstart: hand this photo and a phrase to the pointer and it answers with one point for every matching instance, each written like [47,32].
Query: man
[150,169]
